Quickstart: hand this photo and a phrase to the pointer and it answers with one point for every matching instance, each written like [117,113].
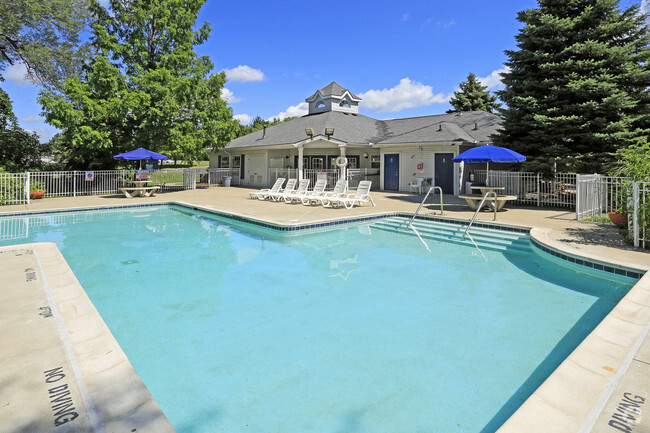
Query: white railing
[533,188]
[356,175]
[599,195]
[215,176]
[15,187]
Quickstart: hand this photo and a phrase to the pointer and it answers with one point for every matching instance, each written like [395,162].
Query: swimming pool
[239,328]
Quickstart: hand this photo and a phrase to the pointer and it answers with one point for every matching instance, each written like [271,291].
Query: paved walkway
[63,370]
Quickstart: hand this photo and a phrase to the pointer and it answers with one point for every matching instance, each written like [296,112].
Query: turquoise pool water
[235,328]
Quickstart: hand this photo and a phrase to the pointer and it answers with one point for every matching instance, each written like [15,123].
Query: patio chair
[361,196]
[340,190]
[315,194]
[291,187]
[297,195]
[263,194]
[416,184]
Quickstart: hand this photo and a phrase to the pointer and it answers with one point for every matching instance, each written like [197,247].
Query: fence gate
[589,196]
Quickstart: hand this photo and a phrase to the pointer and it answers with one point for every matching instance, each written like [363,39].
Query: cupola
[333,97]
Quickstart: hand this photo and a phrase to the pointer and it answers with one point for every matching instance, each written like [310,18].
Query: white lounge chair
[263,194]
[315,194]
[289,188]
[339,191]
[361,196]
[297,195]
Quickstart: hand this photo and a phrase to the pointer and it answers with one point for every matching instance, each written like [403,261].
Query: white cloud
[17,74]
[44,134]
[30,119]
[228,96]
[645,9]
[405,17]
[293,111]
[244,74]
[407,94]
[244,119]
[494,79]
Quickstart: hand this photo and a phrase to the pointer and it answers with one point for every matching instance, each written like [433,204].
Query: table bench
[473,200]
[139,191]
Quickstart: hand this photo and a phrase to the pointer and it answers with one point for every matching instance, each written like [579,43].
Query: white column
[343,169]
[300,166]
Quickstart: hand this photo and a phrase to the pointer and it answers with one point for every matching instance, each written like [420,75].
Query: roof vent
[264,132]
[475,126]
[440,127]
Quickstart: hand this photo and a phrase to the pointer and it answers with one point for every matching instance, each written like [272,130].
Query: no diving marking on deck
[628,413]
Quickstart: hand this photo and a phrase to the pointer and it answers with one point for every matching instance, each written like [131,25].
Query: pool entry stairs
[492,239]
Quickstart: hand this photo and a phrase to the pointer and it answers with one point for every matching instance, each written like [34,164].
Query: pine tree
[473,97]
[577,89]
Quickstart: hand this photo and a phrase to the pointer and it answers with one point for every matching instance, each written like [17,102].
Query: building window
[375,161]
[224,161]
[236,161]
[344,103]
[320,104]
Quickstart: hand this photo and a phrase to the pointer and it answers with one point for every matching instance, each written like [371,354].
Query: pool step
[500,240]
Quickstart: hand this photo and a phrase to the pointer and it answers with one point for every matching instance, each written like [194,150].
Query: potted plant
[36,190]
[618,214]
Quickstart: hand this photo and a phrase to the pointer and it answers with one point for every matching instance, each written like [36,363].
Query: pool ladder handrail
[481,205]
[425,199]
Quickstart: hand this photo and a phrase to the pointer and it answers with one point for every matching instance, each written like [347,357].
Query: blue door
[444,172]
[391,172]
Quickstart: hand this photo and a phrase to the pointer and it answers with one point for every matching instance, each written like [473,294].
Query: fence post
[27,194]
[539,193]
[635,215]
[74,184]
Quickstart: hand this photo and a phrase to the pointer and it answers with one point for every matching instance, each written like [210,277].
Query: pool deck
[64,371]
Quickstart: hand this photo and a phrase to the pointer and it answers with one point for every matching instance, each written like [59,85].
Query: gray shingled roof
[470,126]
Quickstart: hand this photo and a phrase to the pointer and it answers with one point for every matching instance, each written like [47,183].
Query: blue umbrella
[489,153]
[139,154]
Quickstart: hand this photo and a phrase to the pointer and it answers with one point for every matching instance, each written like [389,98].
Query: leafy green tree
[45,36]
[577,89]
[473,96]
[145,87]
[20,150]
[259,123]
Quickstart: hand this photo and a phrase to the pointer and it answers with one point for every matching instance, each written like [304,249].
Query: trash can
[226,180]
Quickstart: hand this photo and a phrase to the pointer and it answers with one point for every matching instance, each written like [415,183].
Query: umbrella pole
[487,175]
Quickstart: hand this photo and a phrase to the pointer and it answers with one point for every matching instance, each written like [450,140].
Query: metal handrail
[496,197]
[425,199]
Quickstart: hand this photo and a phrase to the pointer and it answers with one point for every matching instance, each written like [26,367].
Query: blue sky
[404,58]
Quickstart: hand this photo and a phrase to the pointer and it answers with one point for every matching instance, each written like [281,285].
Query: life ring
[341,161]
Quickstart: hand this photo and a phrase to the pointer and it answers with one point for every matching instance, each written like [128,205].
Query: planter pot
[36,194]
[618,219]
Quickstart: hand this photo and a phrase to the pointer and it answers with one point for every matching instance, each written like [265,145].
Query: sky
[403,58]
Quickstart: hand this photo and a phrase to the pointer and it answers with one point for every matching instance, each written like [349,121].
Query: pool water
[236,328]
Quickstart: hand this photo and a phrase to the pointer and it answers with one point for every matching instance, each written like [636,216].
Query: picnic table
[139,189]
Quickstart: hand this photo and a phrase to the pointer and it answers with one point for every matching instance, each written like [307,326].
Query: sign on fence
[90,176]
[142,174]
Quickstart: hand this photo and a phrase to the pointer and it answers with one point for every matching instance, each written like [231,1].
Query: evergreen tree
[577,89]
[145,87]
[473,97]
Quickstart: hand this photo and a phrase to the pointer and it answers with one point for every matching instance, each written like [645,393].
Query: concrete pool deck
[63,366]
